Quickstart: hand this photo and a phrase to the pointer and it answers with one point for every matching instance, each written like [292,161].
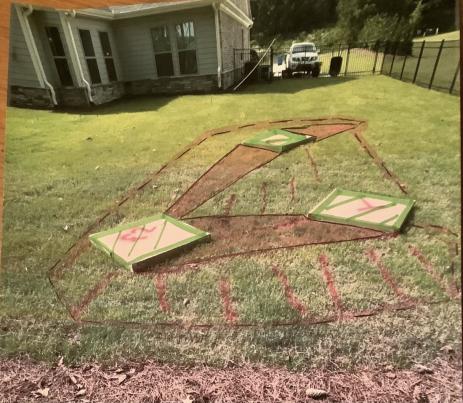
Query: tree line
[348,21]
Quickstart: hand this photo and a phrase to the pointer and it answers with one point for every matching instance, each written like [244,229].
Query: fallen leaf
[81,392]
[131,372]
[421,369]
[119,378]
[316,393]
[73,379]
[66,227]
[43,392]
[186,301]
[97,168]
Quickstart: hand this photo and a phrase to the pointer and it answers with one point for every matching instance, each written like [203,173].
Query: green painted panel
[147,241]
[277,140]
[363,209]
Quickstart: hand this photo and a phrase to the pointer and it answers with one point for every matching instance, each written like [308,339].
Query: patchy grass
[448,36]
[64,169]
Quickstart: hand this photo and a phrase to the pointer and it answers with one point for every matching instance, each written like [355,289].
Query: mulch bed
[23,381]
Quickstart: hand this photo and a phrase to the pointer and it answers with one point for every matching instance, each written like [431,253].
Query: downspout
[24,22]
[218,40]
[74,53]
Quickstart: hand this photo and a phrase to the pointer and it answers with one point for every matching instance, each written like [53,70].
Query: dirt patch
[322,131]
[239,235]
[20,381]
[234,166]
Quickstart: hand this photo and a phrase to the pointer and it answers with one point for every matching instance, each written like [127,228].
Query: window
[89,53]
[162,51]
[186,43]
[59,56]
[108,56]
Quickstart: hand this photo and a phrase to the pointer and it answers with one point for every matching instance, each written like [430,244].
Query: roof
[139,7]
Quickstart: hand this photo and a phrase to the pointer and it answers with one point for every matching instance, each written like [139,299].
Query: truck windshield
[304,49]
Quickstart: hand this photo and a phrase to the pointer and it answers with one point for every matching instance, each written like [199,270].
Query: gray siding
[21,72]
[133,37]
[234,36]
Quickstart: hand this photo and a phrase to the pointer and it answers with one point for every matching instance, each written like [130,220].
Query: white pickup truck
[303,58]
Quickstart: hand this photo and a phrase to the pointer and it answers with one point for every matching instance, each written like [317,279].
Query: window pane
[161,39]
[93,70]
[186,35]
[54,39]
[63,71]
[105,44]
[164,65]
[187,61]
[112,75]
[87,44]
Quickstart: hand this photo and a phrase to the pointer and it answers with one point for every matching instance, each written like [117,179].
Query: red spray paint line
[229,312]
[292,299]
[375,258]
[264,197]
[292,188]
[313,164]
[431,270]
[335,296]
[92,294]
[230,204]
[161,291]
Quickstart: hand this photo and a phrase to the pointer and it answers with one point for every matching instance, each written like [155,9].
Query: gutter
[70,40]
[218,40]
[34,53]
[236,13]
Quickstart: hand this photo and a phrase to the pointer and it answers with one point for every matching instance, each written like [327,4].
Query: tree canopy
[352,20]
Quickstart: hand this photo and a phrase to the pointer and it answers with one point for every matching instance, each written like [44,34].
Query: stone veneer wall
[104,93]
[30,97]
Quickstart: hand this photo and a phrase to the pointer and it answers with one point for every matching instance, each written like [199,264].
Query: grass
[63,169]
[448,36]
[406,67]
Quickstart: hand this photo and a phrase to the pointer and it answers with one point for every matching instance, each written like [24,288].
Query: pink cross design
[368,206]
[132,235]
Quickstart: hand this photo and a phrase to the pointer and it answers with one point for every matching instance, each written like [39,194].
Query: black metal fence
[435,65]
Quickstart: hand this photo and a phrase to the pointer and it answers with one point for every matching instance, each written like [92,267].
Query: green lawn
[64,169]
[448,36]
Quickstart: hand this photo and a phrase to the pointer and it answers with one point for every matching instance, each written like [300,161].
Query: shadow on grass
[147,103]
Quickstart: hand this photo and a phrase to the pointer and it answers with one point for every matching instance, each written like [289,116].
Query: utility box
[335,66]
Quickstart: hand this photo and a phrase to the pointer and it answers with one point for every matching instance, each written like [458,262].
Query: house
[94,56]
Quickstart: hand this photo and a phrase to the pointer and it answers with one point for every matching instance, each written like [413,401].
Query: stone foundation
[73,97]
[30,97]
[104,93]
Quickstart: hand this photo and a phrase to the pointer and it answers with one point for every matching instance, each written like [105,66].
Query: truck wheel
[316,72]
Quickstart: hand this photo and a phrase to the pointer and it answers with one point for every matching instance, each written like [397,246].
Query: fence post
[234,65]
[271,63]
[455,78]
[419,62]
[436,64]
[376,56]
[347,60]
[386,48]
[339,50]
[403,67]
[393,58]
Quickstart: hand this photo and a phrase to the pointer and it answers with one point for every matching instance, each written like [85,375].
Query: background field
[63,169]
